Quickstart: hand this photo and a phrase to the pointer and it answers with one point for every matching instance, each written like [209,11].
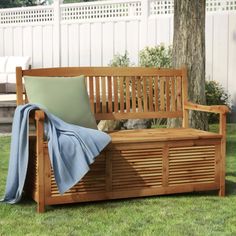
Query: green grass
[183,214]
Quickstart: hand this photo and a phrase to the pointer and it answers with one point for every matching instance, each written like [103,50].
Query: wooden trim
[131,193]
[103,71]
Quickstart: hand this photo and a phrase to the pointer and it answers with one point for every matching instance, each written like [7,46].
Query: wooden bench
[137,162]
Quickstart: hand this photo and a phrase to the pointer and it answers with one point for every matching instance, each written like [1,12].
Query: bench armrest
[221,109]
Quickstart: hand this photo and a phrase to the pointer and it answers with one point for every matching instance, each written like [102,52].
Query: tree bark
[189,50]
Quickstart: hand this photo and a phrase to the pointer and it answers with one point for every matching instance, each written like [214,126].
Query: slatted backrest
[125,93]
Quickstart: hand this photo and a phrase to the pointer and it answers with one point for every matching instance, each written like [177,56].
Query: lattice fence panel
[159,7]
[27,15]
[98,11]
[223,5]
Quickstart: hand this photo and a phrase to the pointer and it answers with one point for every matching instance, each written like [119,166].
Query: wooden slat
[98,109]
[139,94]
[179,93]
[121,92]
[156,94]
[145,100]
[115,88]
[173,101]
[150,93]
[108,171]
[167,92]
[127,93]
[133,92]
[165,170]
[104,106]
[91,93]
[109,85]
[162,94]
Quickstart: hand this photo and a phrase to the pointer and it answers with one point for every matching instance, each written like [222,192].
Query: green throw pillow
[65,97]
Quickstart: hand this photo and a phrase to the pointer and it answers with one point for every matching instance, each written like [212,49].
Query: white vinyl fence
[89,34]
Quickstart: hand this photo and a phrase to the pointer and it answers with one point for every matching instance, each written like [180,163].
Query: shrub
[158,56]
[216,95]
[120,60]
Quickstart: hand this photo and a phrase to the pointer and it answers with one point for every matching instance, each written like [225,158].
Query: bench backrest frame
[143,92]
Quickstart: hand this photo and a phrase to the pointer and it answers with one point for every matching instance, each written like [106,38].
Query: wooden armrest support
[221,109]
[39,115]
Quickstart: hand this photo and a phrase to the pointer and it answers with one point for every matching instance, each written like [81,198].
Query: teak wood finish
[137,162]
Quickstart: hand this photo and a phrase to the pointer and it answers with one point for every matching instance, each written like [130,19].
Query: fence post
[57,34]
[144,23]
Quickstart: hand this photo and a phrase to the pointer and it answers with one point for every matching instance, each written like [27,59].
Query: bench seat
[160,134]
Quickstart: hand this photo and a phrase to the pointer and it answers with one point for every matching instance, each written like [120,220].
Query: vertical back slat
[156,93]
[167,94]
[150,94]
[173,102]
[162,94]
[133,91]
[179,91]
[115,88]
[91,93]
[104,106]
[121,88]
[109,87]
[145,94]
[127,94]
[139,94]
[97,94]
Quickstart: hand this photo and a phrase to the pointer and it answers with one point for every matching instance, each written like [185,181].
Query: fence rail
[89,34]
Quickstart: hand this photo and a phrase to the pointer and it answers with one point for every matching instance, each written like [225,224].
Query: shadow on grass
[230,187]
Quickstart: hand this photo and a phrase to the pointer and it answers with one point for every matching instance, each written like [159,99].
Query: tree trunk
[189,50]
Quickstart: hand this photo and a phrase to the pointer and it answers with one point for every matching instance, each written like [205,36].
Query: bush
[120,60]
[158,56]
[216,95]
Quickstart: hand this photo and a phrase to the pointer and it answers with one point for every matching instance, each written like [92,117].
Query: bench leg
[40,207]
[221,192]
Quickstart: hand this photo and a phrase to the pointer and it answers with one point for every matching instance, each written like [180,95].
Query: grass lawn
[183,214]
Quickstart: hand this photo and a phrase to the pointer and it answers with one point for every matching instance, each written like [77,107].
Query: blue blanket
[71,149]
